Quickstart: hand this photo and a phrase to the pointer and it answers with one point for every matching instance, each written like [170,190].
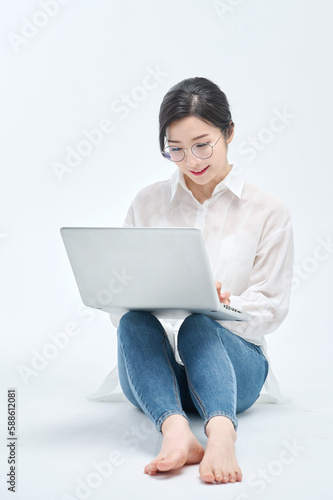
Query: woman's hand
[223,297]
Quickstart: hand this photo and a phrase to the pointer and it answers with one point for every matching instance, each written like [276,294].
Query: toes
[239,475]
[225,478]
[221,477]
[218,477]
[164,464]
[149,471]
[207,476]
[151,468]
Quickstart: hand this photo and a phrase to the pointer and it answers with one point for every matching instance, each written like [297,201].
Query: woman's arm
[268,293]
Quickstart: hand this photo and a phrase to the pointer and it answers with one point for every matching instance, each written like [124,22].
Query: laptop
[164,271]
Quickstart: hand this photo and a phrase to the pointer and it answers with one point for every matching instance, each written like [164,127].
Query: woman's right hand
[224,297]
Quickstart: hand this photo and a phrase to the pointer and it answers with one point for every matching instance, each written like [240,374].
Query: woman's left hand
[224,297]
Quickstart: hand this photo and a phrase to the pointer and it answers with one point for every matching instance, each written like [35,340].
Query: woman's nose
[190,159]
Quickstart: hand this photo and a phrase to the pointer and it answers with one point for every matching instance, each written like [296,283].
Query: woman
[216,368]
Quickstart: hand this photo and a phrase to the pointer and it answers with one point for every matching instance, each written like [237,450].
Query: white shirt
[249,240]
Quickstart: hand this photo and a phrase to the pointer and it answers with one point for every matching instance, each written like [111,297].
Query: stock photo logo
[57,342]
[122,107]
[311,263]
[117,284]
[94,479]
[38,20]
[223,8]
[254,144]
[100,472]
[263,477]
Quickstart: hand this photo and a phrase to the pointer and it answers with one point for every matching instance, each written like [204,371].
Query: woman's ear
[229,133]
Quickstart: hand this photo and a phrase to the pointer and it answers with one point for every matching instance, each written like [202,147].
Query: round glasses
[201,150]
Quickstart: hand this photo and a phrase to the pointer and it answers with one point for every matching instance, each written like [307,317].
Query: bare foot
[219,463]
[179,446]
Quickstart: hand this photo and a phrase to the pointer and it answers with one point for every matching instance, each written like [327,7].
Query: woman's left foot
[219,464]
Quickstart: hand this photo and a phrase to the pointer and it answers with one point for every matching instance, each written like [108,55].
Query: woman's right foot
[179,447]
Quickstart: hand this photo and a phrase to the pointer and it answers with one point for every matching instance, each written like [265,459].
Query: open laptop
[165,271]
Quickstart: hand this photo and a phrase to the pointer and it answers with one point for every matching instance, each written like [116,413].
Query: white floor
[63,439]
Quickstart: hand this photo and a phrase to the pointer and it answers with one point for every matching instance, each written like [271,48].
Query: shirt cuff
[236,302]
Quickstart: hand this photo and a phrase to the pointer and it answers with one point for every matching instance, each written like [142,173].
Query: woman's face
[191,130]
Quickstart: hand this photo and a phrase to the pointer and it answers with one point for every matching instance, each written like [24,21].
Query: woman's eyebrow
[194,138]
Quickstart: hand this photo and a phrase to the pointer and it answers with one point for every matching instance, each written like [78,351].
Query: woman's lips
[199,172]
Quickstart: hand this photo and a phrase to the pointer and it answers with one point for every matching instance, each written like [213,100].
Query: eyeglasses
[200,150]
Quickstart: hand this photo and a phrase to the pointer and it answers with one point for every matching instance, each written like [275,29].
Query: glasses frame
[191,148]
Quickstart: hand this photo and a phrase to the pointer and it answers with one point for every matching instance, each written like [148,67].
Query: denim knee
[134,316]
[189,326]
[191,321]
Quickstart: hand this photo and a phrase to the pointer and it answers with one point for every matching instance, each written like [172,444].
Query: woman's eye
[175,149]
[202,145]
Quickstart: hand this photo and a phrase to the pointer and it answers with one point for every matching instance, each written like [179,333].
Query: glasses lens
[203,150]
[173,154]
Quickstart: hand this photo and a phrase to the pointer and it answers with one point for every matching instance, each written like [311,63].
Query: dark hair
[195,97]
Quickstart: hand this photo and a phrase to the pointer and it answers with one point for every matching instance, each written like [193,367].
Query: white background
[268,57]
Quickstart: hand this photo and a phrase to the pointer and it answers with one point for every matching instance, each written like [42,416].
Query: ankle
[173,422]
[221,425]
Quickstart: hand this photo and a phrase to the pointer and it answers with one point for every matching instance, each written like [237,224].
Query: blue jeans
[222,374]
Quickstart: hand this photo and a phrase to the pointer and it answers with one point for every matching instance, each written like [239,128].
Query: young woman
[216,368]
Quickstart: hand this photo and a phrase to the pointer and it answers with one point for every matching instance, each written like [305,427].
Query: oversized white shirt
[249,240]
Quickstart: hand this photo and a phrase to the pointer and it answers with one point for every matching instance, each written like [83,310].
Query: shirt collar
[234,181]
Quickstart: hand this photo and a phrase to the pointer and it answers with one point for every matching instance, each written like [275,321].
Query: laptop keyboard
[225,306]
